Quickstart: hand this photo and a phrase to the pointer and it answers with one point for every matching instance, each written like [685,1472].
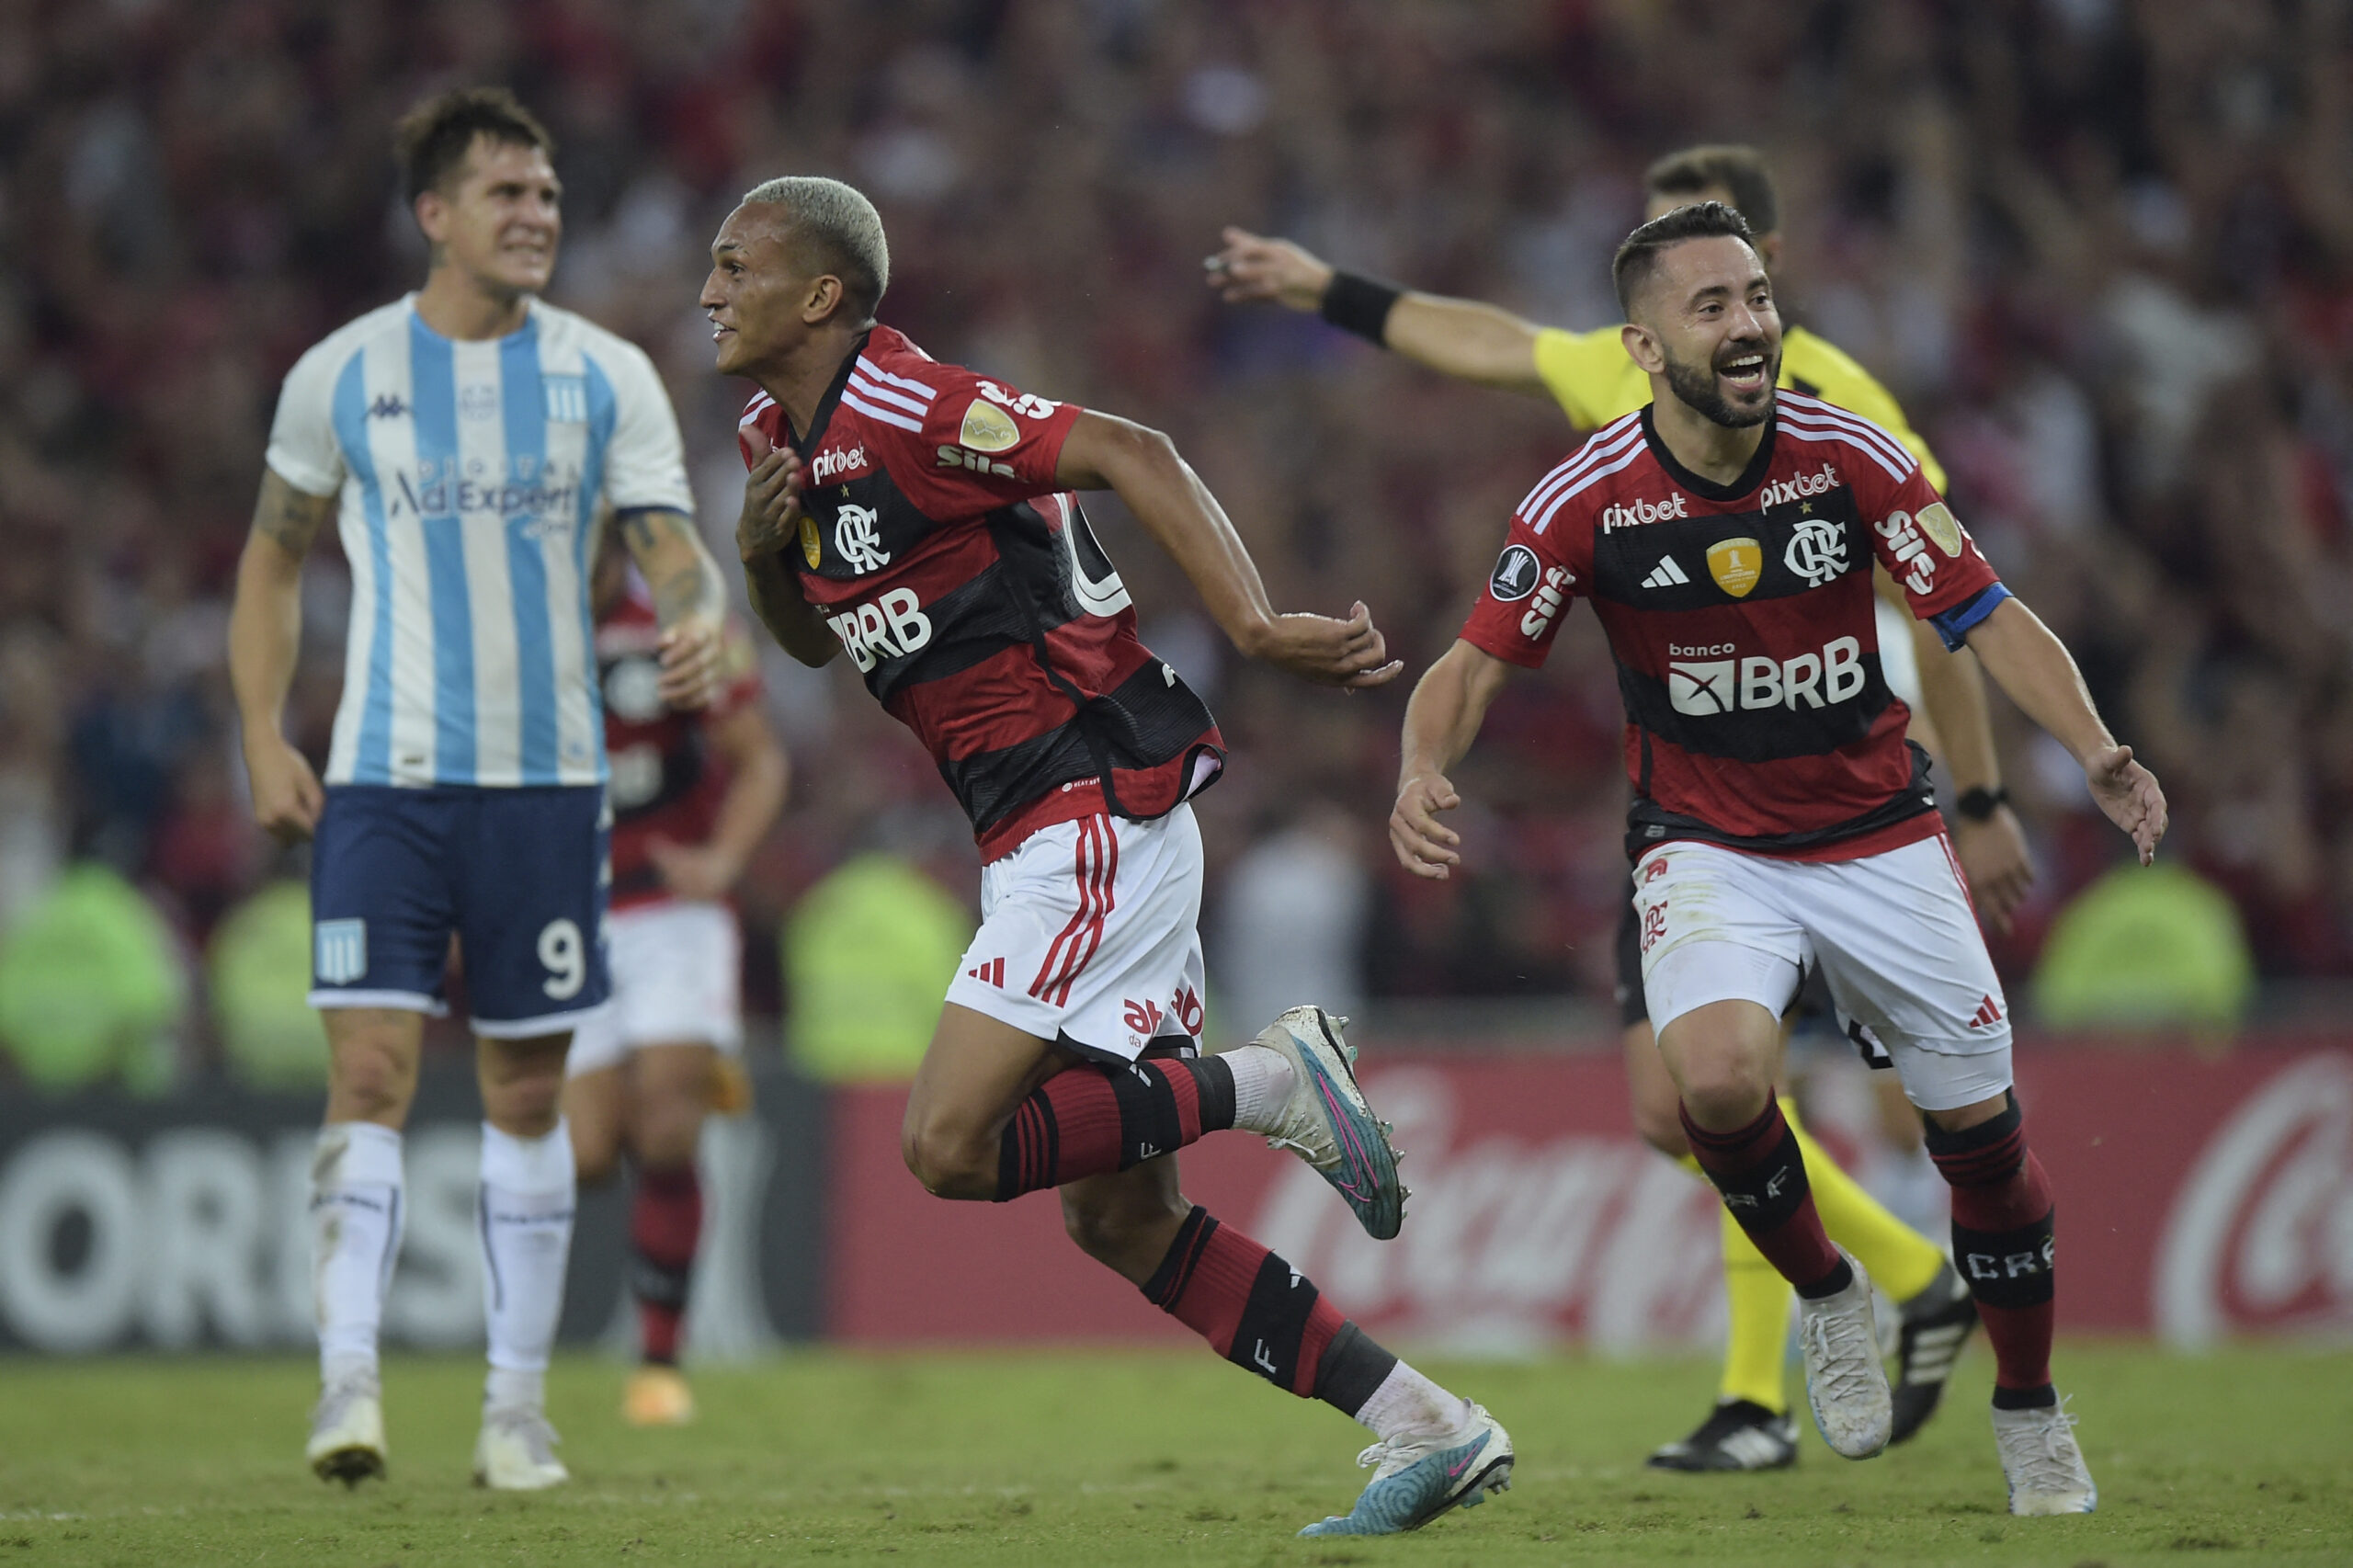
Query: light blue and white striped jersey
[470,476]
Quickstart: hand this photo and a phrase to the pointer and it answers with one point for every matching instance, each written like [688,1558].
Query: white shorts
[1088,936]
[678,976]
[1894,933]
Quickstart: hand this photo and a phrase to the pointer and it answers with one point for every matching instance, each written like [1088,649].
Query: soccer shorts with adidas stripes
[1090,936]
[1894,933]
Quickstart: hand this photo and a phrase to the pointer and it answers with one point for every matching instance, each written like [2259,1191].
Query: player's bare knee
[1107,1221]
[1723,1091]
[947,1166]
[370,1078]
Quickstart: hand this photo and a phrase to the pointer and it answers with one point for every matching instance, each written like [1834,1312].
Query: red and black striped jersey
[665,783]
[977,602]
[1740,615]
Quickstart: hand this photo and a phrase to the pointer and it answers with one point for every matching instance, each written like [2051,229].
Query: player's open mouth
[1743,374]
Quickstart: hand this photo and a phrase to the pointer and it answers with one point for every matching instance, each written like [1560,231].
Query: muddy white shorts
[1088,936]
[1894,933]
[678,976]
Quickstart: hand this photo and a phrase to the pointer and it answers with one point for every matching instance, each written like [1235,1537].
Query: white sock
[1408,1405]
[526,1204]
[355,1214]
[1262,1081]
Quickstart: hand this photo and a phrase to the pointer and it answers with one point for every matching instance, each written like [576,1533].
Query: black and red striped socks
[2002,1246]
[1093,1119]
[665,1226]
[1761,1173]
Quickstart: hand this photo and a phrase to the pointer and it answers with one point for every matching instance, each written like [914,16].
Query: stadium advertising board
[182,1223]
[2200,1197]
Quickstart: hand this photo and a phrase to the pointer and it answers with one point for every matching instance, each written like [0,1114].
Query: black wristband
[1978,803]
[1359,304]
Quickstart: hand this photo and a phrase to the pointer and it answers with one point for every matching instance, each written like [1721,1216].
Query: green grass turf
[1100,1457]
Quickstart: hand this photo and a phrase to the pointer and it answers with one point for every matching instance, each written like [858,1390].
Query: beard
[1697,385]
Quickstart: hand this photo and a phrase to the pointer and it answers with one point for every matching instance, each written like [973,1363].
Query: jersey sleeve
[1945,581]
[1529,590]
[979,444]
[302,449]
[645,464]
[1585,372]
[1834,376]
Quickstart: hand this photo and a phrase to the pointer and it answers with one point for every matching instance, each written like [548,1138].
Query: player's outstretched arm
[758,776]
[1168,498]
[690,599]
[265,640]
[765,528]
[1465,338]
[2030,664]
[1442,719]
[1992,850]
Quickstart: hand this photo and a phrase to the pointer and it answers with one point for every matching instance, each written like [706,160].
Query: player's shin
[355,1217]
[665,1227]
[2002,1238]
[1094,1119]
[524,1228]
[1260,1313]
[1761,1173]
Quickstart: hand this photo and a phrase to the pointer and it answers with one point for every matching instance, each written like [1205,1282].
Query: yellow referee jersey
[1594,382]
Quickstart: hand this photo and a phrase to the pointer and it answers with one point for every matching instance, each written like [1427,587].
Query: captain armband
[1954,624]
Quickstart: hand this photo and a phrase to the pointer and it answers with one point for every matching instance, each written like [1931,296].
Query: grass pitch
[1103,1458]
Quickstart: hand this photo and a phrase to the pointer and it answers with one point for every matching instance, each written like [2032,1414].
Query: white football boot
[348,1430]
[516,1451]
[1844,1381]
[1327,1122]
[2043,1462]
[1417,1478]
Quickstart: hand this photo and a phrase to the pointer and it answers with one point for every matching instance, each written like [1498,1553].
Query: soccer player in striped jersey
[1594,382]
[920,516]
[463,438]
[1781,820]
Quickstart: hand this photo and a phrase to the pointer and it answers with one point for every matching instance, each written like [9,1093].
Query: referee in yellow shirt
[1590,377]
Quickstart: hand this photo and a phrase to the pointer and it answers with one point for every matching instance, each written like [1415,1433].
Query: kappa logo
[387,406]
[1910,550]
[1549,600]
[837,463]
[857,541]
[1817,552]
[1516,574]
[1628,514]
[1702,686]
[1665,574]
[1781,491]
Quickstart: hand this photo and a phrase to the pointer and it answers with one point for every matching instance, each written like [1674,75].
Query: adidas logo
[1665,574]
[991,972]
[1988,1013]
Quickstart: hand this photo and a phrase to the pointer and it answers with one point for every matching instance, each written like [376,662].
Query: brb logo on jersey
[1817,552]
[857,541]
[889,627]
[1702,680]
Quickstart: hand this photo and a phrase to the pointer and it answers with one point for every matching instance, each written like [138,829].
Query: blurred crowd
[2099,249]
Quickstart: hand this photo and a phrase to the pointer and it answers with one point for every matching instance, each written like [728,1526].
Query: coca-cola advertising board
[2199,1197]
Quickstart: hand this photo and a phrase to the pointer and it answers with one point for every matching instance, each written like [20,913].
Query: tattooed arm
[264,638]
[689,598]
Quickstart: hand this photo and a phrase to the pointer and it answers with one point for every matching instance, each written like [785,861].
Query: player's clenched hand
[1426,845]
[690,654]
[287,797]
[1251,267]
[771,514]
[696,871]
[2000,868]
[2128,792]
[1350,654]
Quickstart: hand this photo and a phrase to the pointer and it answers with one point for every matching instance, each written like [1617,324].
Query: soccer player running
[464,436]
[1594,382]
[693,794]
[920,515]
[1780,820]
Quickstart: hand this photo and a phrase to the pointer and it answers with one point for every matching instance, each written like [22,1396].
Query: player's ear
[432,212]
[825,296]
[1641,348]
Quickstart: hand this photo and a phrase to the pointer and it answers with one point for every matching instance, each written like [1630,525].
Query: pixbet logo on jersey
[1701,682]
[835,464]
[1796,487]
[1634,515]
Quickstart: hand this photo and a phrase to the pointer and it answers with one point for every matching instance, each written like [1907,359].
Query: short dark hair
[432,139]
[1739,171]
[1637,258]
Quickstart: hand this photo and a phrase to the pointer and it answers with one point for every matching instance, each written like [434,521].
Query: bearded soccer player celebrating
[1780,820]
[1591,379]
[920,516]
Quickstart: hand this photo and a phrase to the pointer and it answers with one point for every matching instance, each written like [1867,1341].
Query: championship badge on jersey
[813,547]
[1736,564]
